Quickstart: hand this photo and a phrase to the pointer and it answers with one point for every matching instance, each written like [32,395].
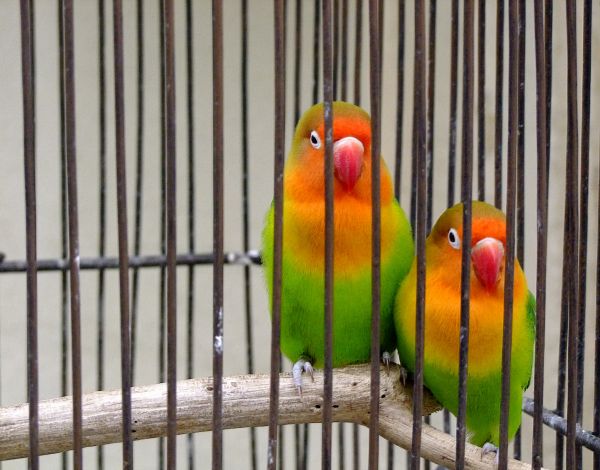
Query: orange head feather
[304,179]
[444,247]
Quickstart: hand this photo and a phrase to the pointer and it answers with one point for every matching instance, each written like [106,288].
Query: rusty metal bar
[336,49]
[279,151]
[245,197]
[317,28]
[562,347]
[584,205]
[481,100]
[420,155]
[455,20]
[499,103]
[28,71]
[297,56]
[163,217]
[218,202]
[343,96]
[171,211]
[513,121]
[399,99]
[139,176]
[548,18]
[431,60]
[542,235]
[344,54]
[520,209]
[597,347]
[375,95]
[70,141]
[191,298]
[358,51]
[64,232]
[122,233]
[329,77]
[572,224]
[466,190]
[101,299]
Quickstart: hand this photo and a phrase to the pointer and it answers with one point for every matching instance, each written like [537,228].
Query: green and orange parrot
[442,322]
[302,311]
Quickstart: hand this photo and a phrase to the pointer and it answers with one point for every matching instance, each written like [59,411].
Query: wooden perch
[245,404]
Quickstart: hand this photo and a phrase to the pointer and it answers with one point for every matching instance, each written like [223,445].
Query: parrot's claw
[386,358]
[300,366]
[488,448]
[403,375]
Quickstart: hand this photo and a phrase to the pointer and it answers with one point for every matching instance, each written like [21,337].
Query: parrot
[443,253]
[303,250]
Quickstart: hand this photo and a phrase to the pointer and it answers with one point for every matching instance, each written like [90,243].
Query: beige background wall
[12,219]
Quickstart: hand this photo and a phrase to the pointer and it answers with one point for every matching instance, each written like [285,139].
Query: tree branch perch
[245,404]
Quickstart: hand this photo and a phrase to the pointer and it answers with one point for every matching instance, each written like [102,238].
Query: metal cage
[134,120]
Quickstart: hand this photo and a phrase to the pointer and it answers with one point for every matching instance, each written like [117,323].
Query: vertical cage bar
[217,434]
[64,336]
[122,234]
[597,345]
[344,54]
[542,237]
[170,148]
[189,36]
[548,18]
[453,102]
[375,71]
[102,216]
[316,72]
[499,103]
[520,180]
[481,100]
[513,121]
[358,51]
[572,209]
[431,60]
[514,111]
[583,209]
[420,151]
[467,191]
[297,58]
[139,176]
[163,216]
[69,71]
[399,99]
[329,76]
[336,49]
[562,347]
[27,70]
[279,150]
[245,199]
[343,96]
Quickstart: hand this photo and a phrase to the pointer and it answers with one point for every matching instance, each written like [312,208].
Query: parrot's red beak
[348,160]
[487,256]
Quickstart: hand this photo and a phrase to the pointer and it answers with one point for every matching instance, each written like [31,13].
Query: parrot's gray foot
[488,448]
[386,358]
[300,366]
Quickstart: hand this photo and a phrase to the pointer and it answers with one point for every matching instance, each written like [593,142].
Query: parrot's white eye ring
[453,238]
[315,140]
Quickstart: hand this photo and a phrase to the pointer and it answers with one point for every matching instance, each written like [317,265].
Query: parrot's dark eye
[315,140]
[453,238]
